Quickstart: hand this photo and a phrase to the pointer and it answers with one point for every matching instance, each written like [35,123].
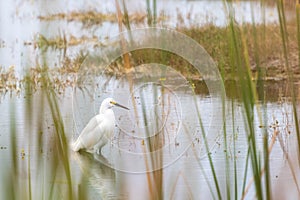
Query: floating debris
[9,81]
[89,17]
[2,43]
[62,42]
[23,154]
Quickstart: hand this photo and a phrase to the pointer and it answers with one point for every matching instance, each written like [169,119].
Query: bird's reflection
[101,177]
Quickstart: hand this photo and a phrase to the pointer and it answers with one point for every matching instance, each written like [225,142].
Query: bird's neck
[105,110]
[109,114]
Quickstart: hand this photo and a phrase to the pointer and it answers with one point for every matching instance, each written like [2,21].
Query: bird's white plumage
[99,129]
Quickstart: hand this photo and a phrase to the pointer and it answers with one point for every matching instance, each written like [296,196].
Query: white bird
[99,129]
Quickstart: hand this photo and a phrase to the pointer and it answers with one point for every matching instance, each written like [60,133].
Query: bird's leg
[99,145]
[90,150]
[98,151]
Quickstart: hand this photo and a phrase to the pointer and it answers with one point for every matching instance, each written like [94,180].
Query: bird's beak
[119,105]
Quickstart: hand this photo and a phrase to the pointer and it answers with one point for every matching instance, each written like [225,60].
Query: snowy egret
[99,129]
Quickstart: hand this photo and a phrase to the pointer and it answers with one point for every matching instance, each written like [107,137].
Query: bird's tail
[77,145]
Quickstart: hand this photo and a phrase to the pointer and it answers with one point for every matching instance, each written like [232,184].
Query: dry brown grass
[91,18]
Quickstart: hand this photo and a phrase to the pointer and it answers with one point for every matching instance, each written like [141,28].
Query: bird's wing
[91,134]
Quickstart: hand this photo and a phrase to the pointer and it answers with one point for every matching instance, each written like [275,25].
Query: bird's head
[108,103]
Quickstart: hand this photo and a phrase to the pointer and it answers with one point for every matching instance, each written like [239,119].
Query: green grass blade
[126,16]
[149,13]
[234,152]
[211,164]
[285,45]
[59,127]
[154,12]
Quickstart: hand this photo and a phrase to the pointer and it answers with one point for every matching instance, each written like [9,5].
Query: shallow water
[120,173]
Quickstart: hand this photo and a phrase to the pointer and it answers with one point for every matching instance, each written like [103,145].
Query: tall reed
[241,66]
[294,97]
[59,129]
[285,46]
[12,177]
[207,149]
[151,14]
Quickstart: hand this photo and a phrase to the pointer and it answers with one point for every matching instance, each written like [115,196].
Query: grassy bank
[213,39]
[268,39]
